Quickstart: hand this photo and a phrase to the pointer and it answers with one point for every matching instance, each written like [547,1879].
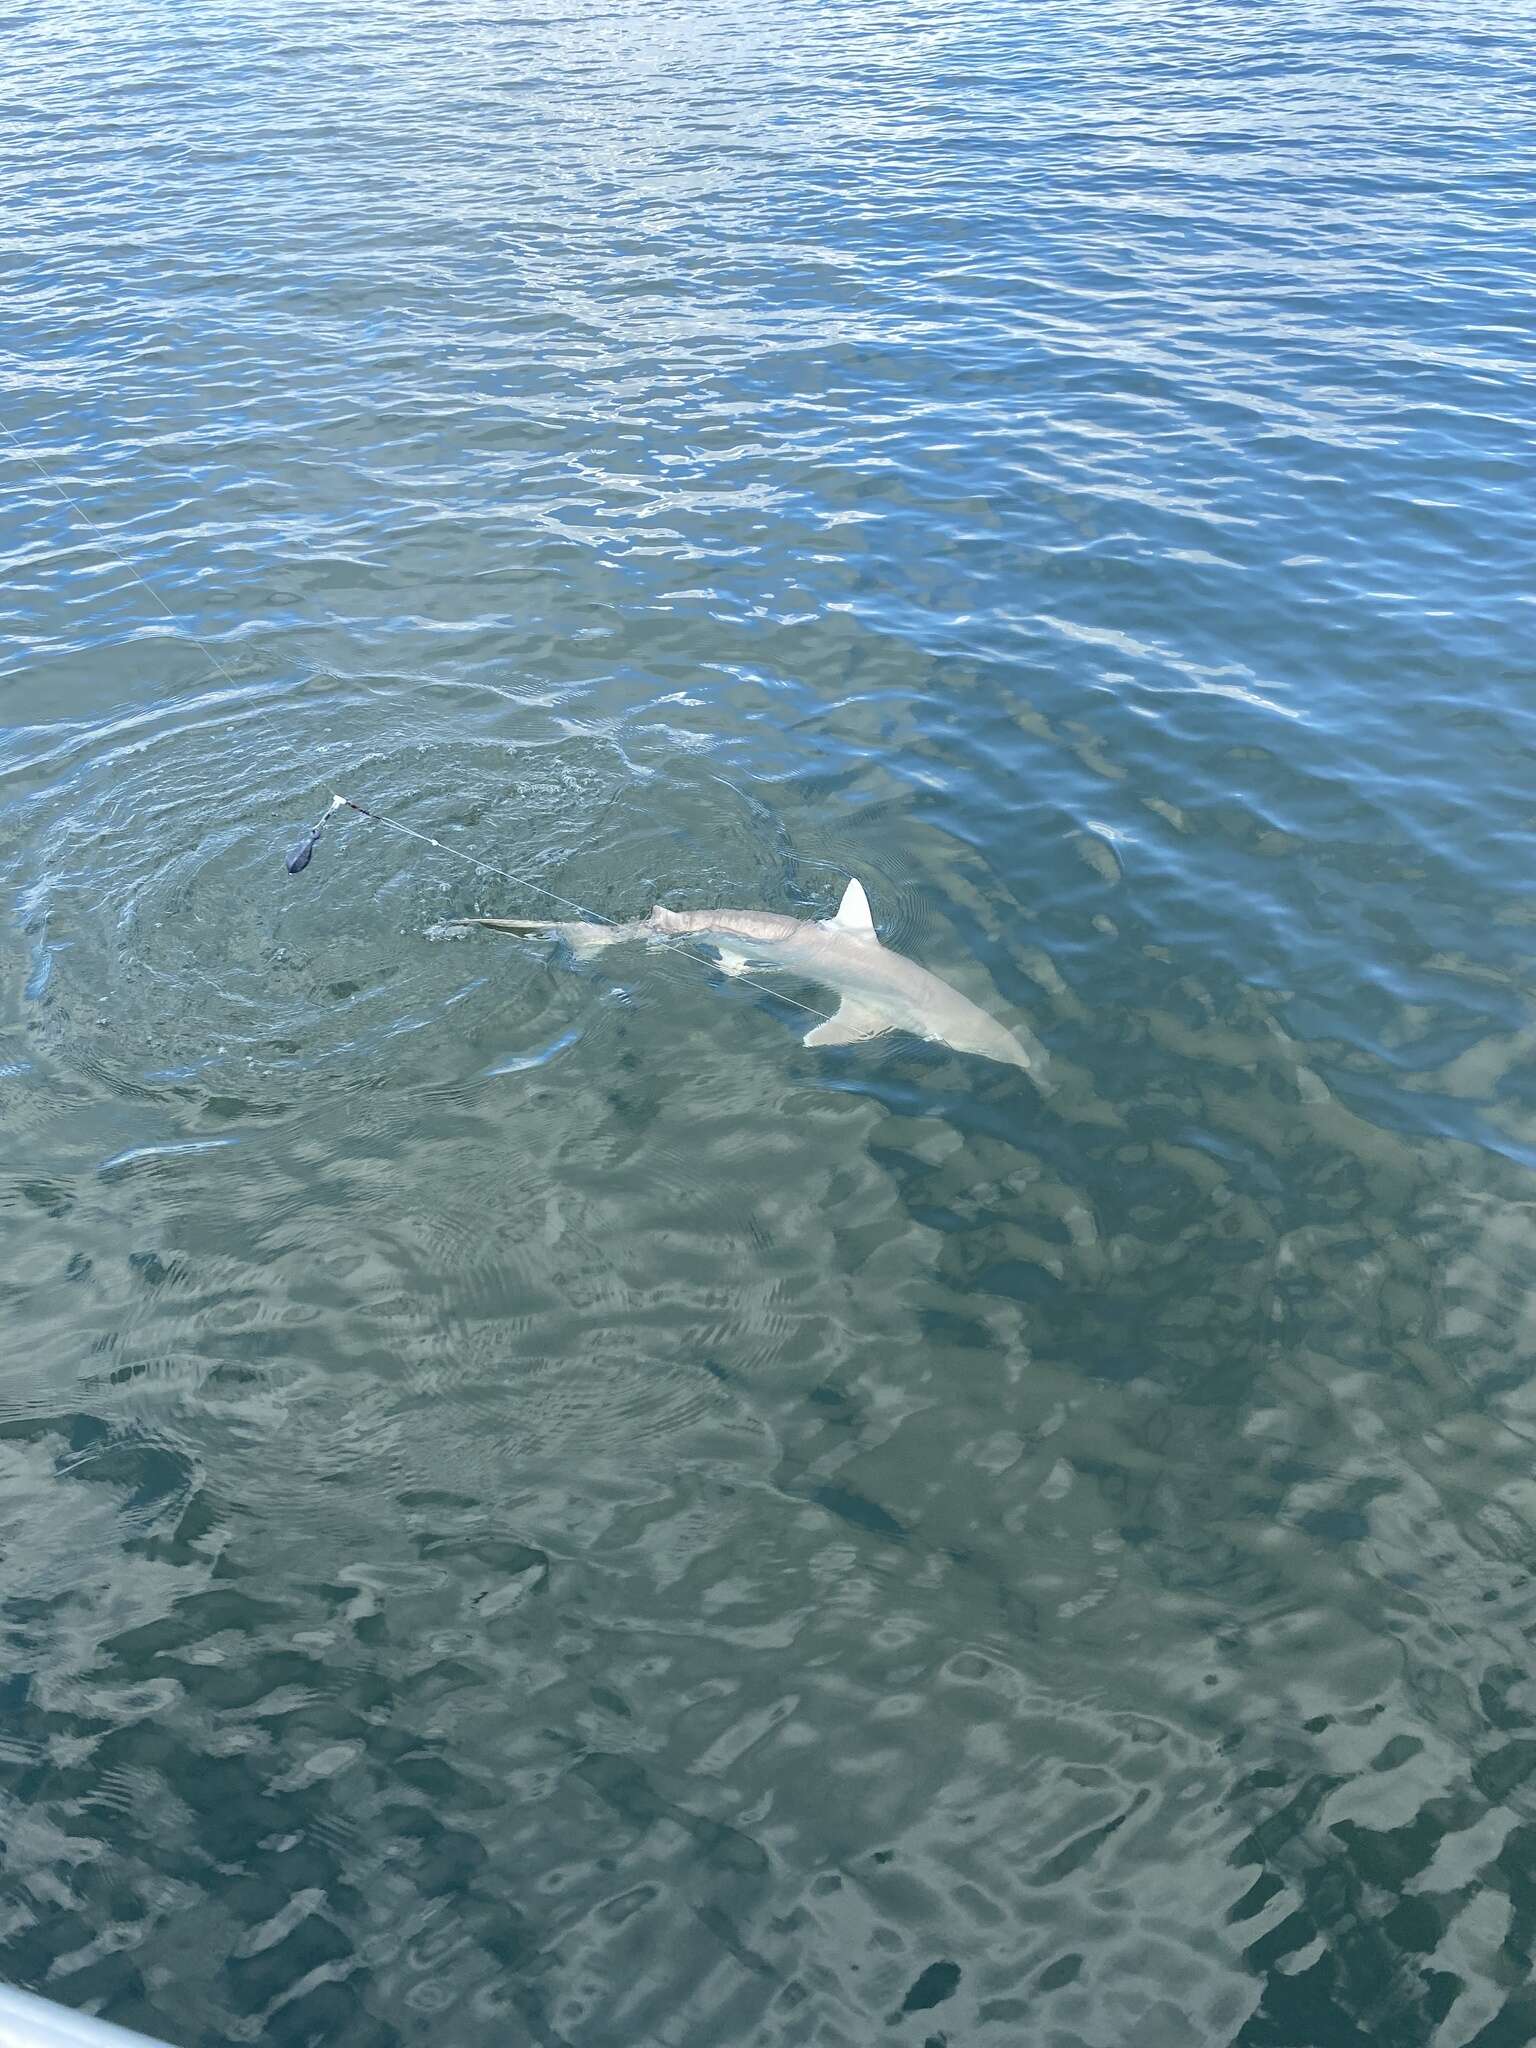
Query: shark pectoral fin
[732,963]
[851,1023]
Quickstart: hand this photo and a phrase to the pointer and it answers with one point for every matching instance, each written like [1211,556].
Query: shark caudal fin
[510,924]
[853,917]
[581,938]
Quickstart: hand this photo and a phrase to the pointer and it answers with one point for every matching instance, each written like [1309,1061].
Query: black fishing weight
[301,855]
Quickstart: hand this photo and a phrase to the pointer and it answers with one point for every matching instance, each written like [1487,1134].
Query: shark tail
[511,924]
[581,938]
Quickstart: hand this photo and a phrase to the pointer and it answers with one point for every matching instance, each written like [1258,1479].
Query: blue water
[534,1507]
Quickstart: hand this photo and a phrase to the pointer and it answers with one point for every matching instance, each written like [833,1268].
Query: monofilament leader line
[526,882]
[300,857]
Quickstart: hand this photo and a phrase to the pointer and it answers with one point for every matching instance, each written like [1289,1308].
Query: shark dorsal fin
[853,918]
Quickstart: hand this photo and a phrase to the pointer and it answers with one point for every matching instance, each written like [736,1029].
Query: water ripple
[537,1508]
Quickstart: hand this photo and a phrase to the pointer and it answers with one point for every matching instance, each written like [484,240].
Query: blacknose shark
[878,990]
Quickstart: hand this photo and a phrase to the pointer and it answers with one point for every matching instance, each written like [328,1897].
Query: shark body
[878,990]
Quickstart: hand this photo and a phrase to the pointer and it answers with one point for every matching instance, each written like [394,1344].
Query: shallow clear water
[533,1506]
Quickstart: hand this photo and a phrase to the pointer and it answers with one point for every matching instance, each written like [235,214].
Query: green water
[535,1508]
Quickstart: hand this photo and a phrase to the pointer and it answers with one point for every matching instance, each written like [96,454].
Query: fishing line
[339,802]
[117,553]
[299,858]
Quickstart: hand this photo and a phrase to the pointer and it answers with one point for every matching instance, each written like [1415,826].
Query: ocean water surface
[533,1507]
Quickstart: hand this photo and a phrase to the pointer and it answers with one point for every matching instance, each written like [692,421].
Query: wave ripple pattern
[533,1507]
